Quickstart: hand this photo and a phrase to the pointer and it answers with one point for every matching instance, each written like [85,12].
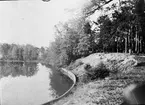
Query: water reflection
[60,83]
[30,83]
[25,84]
[17,69]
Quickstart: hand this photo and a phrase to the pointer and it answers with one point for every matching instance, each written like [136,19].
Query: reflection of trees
[17,69]
[59,82]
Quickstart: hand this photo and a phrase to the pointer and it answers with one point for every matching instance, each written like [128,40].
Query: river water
[30,83]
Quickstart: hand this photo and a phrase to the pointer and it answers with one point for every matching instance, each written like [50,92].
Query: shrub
[87,67]
[100,71]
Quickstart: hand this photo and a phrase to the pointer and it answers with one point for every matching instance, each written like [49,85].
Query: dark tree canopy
[120,31]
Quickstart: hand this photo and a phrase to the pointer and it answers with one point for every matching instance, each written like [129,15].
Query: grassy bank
[107,90]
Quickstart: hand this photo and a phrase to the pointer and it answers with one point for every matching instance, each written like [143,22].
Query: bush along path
[108,90]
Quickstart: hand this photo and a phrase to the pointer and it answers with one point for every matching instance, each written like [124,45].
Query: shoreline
[73,78]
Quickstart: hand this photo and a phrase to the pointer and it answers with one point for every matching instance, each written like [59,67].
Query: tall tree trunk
[125,44]
[140,42]
[129,41]
[138,45]
[143,46]
[117,45]
[136,40]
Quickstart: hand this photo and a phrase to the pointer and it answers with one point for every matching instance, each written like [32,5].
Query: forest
[119,29]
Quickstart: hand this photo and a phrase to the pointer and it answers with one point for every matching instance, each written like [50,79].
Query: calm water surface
[30,84]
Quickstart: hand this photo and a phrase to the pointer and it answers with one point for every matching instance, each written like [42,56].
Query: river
[30,83]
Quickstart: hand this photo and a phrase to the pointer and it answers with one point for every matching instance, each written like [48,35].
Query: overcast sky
[32,21]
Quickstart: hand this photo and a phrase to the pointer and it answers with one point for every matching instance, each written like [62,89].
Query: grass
[116,85]
[105,91]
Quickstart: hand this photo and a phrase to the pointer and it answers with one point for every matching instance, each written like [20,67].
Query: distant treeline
[18,52]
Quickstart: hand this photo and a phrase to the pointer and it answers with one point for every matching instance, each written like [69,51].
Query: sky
[32,21]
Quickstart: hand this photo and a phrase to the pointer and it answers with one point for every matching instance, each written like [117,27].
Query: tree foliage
[18,52]
[122,30]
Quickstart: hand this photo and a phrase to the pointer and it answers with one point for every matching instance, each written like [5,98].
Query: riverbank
[108,90]
[73,78]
